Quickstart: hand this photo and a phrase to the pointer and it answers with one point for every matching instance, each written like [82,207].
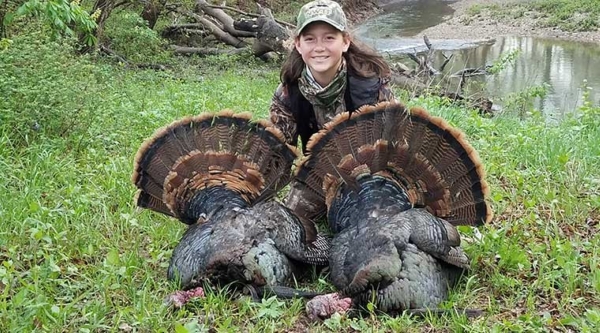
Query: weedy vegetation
[77,256]
[567,15]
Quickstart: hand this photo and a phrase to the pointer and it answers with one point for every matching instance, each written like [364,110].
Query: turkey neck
[207,202]
[371,196]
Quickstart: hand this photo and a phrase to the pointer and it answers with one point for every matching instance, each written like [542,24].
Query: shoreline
[464,25]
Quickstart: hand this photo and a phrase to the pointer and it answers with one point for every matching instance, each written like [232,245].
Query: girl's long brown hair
[361,60]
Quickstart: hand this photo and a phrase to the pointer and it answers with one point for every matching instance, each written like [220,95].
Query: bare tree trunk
[2,28]
[4,9]
[152,10]
[106,7]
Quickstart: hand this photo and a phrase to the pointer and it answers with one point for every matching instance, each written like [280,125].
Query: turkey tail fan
[211,160]
[423,154]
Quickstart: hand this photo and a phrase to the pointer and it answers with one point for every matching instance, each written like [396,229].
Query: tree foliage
[61,16]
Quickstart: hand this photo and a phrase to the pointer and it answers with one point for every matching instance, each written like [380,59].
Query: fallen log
[289,25]
[246,24]
[204,51]
[225,19]
[184,29]
[216,30]
[271,36]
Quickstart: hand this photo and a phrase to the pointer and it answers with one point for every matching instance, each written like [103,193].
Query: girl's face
[321,47]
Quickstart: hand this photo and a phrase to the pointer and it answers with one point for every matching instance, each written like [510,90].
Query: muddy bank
[466,25]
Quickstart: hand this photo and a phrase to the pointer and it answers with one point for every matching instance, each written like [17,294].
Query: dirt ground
[466,26]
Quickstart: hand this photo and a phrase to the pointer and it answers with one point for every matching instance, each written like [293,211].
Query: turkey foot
[181,297]
[324,306]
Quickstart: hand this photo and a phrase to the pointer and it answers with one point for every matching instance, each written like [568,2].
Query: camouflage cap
[321,10]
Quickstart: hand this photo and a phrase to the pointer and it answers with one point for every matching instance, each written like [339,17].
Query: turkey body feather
[396,183]
[218,173]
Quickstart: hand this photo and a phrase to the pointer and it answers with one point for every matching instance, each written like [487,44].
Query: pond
[566,68]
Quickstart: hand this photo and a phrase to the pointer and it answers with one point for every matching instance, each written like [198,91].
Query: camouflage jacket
[294,116]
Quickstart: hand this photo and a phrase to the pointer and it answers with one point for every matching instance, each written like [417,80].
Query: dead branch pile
[260,32]
[420,79]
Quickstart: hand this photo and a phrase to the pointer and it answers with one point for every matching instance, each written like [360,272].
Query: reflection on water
[406,18]
[563,65]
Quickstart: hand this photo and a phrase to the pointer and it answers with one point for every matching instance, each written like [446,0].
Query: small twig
[447,59]
[413,57]
[427,42]
[109,51]
[461,83]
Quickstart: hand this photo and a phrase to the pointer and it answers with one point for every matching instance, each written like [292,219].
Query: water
[406,18]
[567,68]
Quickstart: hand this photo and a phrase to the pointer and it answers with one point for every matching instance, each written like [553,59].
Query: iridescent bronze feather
[396,182]
[218,173]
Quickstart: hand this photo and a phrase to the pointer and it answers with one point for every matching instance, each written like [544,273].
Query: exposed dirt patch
[467,23]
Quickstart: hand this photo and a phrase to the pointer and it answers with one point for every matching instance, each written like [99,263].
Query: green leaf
[112,258]
[180,328]
[36,233]
[563,158]
[370,306]
[8,18]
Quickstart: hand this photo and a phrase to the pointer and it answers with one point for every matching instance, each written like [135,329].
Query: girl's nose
[320,46]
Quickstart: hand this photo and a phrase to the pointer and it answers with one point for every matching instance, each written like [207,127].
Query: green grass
[76,256]
[567,15]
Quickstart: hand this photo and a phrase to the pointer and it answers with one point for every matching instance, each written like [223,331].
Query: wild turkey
[396,183]
[218,173]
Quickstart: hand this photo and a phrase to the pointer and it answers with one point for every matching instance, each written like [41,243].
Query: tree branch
[250,14]
[223,18]
[215,30]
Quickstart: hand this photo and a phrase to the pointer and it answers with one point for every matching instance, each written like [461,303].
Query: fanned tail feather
[249,162]
[428,158]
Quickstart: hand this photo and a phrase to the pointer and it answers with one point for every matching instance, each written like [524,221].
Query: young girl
[326,73]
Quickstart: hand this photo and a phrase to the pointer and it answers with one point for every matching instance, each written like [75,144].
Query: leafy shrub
[522,102]
[46,89]
[63,17]
[131,37]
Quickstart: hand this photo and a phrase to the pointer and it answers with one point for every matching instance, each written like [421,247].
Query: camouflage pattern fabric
[324,11]
[281,110]
[328,101]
